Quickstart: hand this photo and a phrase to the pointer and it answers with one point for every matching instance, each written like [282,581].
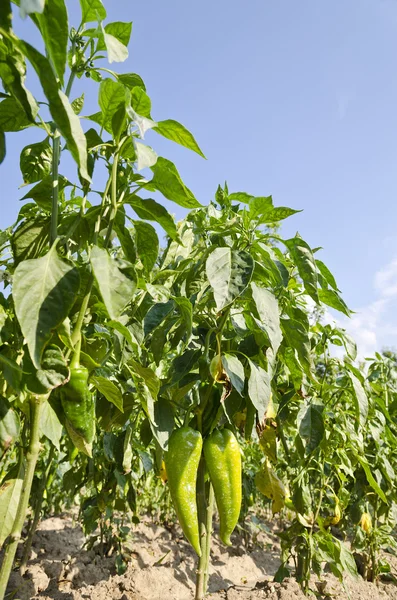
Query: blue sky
[293,99]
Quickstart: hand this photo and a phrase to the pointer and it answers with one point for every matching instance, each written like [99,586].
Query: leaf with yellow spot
[271,486]
[268,442]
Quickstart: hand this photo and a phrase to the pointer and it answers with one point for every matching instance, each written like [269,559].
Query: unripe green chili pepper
[78,405]
[181,463]
[223,460]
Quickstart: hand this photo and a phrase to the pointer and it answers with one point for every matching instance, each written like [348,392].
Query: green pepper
[78,406]
[181,463]
[223,460]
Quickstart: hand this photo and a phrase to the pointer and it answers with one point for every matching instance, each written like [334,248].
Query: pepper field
[166,386]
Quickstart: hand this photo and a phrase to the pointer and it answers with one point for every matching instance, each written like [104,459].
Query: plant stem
[202,514]
[112,181]
[37,511]
[56,149]
[70,82]
[36,404]
[210,510]
[76,335]
[114,199]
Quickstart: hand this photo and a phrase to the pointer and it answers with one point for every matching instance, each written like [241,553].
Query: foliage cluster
[216,329]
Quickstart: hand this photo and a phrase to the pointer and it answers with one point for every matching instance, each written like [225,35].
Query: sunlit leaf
[44,291]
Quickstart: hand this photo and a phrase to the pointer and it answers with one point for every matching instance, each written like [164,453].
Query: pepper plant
[77,253]
[119,357]
[246,292]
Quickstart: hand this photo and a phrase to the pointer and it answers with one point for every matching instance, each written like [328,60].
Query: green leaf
[36,161]
[259,206]
[9,424]
[183,364]
[149,377]
[41,193]
[156,315]
[302,255]
[141,102]
[167,180]
[92,10]
[44,290]
[240,197]
[92,137]
[12,117]
[145,155]
[111,98]
[50,425]
[147,244]
[235,372]
[61,111]
[119,122]
[117,52]
[52,373]
[12,73]
[126,332]
[326,273]
[259,389]
[276,214]
[12,372]
[332,298]
[311,425]
[150,210]
[30,239]
[346,558]
[115,287]
[53,24]
[5,15]
[370,478]
[178,133]
[125,237]
[296,337]
[64,334]
[186,309]
[121,31]
[267,307]
[109,389]
[360,398]
[77,106]
[10,493]
[131,80]
[349,344]
[163,424]
[78,440]
[229,273]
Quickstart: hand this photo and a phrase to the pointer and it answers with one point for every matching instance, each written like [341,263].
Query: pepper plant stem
[36,404]
[37,510]
[112,181]
[209,510]
[202,510]
[56,152]
[56,148]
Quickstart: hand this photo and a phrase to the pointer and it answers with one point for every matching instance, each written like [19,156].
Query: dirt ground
[163,568]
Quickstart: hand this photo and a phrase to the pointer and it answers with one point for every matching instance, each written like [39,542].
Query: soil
[162,567]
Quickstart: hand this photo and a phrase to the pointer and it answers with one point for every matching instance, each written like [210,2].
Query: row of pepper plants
[118,355]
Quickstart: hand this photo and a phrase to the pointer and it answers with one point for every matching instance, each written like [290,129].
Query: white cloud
[372,326]
[386,280]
